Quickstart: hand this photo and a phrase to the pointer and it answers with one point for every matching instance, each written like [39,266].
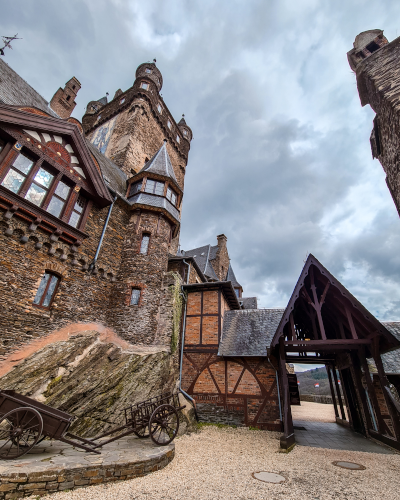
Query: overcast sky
[280,161]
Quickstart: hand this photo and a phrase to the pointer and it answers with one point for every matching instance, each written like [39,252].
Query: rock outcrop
[94,380]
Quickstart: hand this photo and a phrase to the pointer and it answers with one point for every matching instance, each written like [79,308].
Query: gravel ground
[313,412]
[216,463]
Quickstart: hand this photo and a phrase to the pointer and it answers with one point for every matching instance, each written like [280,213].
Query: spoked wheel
[20,430]
[164,424]
[143,432]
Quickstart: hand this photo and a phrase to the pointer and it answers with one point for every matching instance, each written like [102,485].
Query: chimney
[63,101]
[222,239]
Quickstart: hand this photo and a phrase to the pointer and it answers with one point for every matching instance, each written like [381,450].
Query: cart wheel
[143,432]
[20,430]
[164,424]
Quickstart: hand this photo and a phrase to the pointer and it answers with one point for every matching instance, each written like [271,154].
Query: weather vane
[7,42]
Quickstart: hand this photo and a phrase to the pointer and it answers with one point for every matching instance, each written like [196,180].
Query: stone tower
[63,101]
[375,62]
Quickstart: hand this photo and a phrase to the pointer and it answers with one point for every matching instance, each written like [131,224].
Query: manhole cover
[349,465]
[268,477]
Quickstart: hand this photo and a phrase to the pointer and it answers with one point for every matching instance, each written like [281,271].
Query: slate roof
[113,176]
[249,302]
[14,91]
[103,100]
[161,164]
[182,121]
[249,332]
[155,201]
[202,258]
[231,277]
[391,359]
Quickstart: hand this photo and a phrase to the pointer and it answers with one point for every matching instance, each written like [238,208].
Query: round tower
[149,71]
[185,129]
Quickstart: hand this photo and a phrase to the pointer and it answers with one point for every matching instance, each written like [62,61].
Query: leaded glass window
[135,296]
[77,211]
[39,187]
[135,188]
[47,290]
[171,195]
[58,199]
[144,245]
[16,176]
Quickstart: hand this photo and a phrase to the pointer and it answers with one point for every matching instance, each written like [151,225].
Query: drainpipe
[93,263]
[279,393]
[182,345]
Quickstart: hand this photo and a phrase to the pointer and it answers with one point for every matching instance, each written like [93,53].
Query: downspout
[183,343]
[277,386]
[93,263]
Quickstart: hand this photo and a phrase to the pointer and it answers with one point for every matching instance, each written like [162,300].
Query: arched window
[47,290]
[135,296]
[144,245]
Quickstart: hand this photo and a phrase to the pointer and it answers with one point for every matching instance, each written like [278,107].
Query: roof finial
[7,43]
[107,93]
[165,140]
[154,60]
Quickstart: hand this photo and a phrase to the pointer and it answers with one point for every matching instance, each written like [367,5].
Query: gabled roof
[15,91]
[389,341]
[28,121]
[202,257]
[248,332]
[231,277]
[161,164]
[182,121]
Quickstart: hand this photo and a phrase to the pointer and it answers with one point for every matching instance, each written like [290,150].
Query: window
[154,187]
[17,174]
[47,290]
[144,85]
[73,87]
[144,245]
[171,195]
[237,291]
[135,188]
[39,187]
[135,296]
[159,108]
[372,47]
[68,97]
[77,211]
[148,70]
[185,133]
[169,124]
[178,139]
[122,100]
[58,199]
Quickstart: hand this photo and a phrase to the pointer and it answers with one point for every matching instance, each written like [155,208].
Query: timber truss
[324,324]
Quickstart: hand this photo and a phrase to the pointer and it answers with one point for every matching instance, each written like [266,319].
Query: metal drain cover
[349,465]
[268,477]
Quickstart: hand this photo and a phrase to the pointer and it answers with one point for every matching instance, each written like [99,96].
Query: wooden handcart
[25,422]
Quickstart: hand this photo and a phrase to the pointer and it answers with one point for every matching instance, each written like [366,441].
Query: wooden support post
[317,305]
[371,391]
[351,323]
[361,390]
[385,384]
[338,393]
[292,328]
[328,369]
[287,440]
[342,334]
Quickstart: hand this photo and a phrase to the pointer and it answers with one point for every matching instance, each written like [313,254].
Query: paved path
[321,431]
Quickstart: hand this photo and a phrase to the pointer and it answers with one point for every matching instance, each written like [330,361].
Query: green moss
[52,384]
[200,425]
[177,306]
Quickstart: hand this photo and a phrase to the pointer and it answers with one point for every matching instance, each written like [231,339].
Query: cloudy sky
[280,160]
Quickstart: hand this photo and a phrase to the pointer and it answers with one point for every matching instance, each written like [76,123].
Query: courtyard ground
[217,463]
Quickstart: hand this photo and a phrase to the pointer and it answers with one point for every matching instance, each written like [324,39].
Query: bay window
[154,187]
[171,196]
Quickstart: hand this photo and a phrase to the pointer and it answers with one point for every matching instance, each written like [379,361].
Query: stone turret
[63,101]
[149,71]
[185,129]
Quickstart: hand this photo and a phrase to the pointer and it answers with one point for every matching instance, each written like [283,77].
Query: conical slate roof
[161,164]
[231,277]
[182,121]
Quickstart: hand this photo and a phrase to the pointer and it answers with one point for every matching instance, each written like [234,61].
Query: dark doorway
[352,401]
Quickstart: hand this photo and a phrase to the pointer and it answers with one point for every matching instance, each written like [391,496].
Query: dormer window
[159,108]
[148,71]
[144,85]
[171,196]
[154,187]
[178,139]
[169,124]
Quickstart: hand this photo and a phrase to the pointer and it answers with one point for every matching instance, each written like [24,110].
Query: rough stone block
[66,485]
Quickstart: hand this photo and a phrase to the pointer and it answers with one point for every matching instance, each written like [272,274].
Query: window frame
[173,193]
[155,186]
[40,305]
[29,180]
[142,85]
[144,233]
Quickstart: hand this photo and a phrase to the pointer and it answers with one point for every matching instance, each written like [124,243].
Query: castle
[89,240]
